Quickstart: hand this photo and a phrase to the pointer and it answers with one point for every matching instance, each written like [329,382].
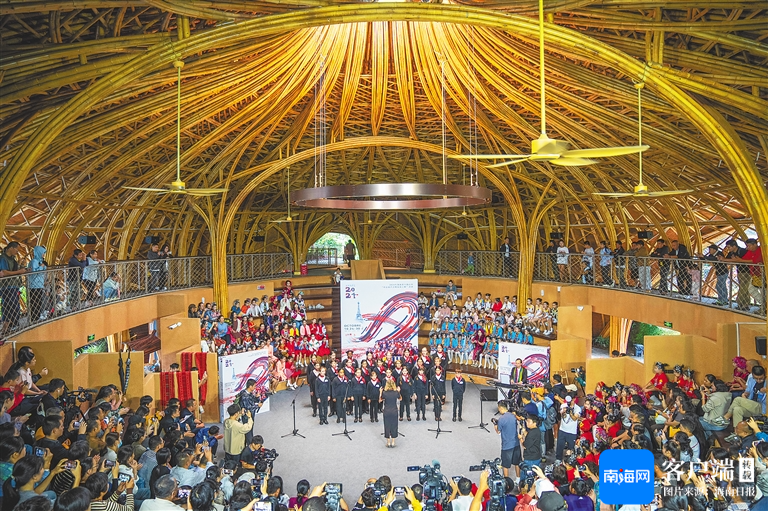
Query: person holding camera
[186,472]
[569,426]
[392,503]
[461,494]
[530,438]
[235,431]
[506,426]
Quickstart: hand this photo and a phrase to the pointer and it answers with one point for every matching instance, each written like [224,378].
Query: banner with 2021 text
[379,316]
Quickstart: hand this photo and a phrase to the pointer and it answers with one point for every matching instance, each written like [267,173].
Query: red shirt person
[659,380]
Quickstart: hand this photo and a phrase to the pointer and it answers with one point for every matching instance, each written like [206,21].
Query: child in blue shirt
[527,337]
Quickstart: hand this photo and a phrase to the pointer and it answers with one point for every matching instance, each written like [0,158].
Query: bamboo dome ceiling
[88,91]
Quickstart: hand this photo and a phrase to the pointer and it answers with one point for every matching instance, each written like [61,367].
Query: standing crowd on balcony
[665,269]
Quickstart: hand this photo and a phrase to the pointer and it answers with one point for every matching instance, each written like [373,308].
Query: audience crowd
[71,452]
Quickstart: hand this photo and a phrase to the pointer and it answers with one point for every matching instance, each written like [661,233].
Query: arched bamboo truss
[87,103]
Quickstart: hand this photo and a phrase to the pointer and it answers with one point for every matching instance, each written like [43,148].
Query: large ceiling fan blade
[154,190]
[605,152]
[573,162]
[614,194]
[506,163]
[488,156]
[204,191]
[670,193]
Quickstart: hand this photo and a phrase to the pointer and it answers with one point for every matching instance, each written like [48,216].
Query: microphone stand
[482,425]
[438,430]
[345,432]
[295,431]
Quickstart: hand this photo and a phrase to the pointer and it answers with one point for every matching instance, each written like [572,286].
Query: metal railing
[478,263]
[37,297]
[245,267]
[399,257]
[740,286]
[323,256]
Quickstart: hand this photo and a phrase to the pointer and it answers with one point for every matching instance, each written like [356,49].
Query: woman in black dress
[390,397]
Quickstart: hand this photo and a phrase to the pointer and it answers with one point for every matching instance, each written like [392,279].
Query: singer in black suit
[438,390]
[458,386]
[312,373]
[374,396]
[406,394]
[340,388]
[519,373]
[323,395]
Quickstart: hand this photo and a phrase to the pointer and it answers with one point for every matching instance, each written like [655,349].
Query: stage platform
[325,458]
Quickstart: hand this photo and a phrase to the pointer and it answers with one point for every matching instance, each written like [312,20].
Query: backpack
[551,417]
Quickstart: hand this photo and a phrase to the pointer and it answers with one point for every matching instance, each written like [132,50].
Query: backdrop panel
[535,359]
[234,372]
[379,315]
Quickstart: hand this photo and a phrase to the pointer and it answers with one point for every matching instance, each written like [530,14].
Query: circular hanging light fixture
[384,196]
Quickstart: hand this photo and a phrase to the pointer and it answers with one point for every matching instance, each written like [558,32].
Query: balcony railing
[323,256]
[738,286]
[245,267]
[35,298]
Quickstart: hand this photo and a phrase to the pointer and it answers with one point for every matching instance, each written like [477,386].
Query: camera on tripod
[434,483]
[496,483]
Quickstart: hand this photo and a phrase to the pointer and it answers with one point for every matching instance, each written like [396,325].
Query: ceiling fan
[556,152]
[179,187]
[640,189]
[288,219]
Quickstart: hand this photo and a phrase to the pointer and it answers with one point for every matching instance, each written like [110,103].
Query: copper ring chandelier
[392,196]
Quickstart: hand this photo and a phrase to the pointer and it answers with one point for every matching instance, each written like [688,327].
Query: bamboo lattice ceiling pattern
[250,102]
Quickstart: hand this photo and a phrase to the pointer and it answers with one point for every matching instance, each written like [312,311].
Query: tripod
[438,430]
[344,410]
[295,431]
[482,425]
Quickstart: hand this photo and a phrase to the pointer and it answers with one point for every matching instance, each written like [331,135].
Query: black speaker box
[462,236]
[258,238]
[556,236]
[760,345]
[645,235]
[152,240]
[86,240]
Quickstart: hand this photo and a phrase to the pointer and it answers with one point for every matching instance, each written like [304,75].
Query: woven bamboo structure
[87,102]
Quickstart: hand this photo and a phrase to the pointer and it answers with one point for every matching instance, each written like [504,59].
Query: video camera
[268,456]
[81,395]
[434,483]
[580,375]
[379,491]
[333,496]
[496,483]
